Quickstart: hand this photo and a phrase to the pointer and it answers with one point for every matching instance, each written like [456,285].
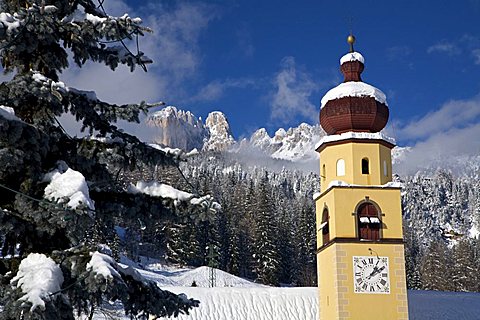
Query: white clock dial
[370,274]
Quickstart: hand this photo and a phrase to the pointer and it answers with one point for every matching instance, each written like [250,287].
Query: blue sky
[268,63]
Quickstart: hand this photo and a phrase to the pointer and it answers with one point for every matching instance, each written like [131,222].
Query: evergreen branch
[118,40]
[11,42]
[60,125]
[43,201]
[137,56]
[69,286]
[186,180]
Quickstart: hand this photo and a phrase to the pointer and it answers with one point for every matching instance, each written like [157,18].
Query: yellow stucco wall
[337,297]
[335,258]
[352,153]
[341,203]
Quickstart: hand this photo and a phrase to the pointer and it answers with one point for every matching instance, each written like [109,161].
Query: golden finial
[351,41]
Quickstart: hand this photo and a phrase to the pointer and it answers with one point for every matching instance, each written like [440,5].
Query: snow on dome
[352,56]
[354,89]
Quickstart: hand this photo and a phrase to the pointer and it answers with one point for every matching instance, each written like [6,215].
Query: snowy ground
[235,298]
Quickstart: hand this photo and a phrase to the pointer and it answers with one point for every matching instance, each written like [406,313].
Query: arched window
[368,221]
[324,173]
[365,166]
[340,167]
[325,228]
[385,168]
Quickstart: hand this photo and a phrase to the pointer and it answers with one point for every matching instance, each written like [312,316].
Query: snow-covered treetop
[355,135]
[352,56]
[354,89]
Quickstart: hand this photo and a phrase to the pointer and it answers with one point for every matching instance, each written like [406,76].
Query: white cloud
[294,88]
[245,42]
[445,47]
[120,86]
[476,55]
[442,149]
[467,43]
[173,46]
[453,114]
[441,136]
[216,89]
[398,52]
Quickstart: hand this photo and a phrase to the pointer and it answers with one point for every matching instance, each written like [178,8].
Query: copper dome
[353,105]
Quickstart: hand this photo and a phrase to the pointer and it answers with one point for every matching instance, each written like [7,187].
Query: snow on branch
[9,22]
[175,152]
[103,266]
[79,16]
[8,113]
[67,183]
[38,276]
[162,190]
[58,88]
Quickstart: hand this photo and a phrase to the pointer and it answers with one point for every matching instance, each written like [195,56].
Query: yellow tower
[361,264]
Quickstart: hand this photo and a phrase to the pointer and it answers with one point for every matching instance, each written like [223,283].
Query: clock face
[370,274]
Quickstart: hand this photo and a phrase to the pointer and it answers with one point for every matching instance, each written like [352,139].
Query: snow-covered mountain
[181,129]
[220,136]
[176,128]
[295,144]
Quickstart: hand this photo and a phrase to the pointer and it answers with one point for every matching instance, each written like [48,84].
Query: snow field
[246,300]
[251,303]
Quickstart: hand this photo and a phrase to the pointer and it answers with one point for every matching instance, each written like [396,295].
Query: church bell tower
[360,247]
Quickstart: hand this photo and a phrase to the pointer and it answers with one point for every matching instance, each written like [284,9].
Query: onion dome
[353,105]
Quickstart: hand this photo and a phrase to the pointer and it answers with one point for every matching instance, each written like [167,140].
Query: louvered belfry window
[325,229]
[369,224]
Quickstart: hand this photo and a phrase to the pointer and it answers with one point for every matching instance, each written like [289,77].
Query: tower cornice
[359,137]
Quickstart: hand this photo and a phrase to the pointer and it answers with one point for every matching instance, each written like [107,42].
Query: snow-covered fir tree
[434,268]
[464,272]
[265,235]
[63,196]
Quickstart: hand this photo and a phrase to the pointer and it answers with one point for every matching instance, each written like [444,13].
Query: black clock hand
[376,271]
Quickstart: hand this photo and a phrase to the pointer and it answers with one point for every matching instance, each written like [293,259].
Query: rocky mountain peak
[177,128]
[279,134]
[220,137]
[262,140]
[182,129]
